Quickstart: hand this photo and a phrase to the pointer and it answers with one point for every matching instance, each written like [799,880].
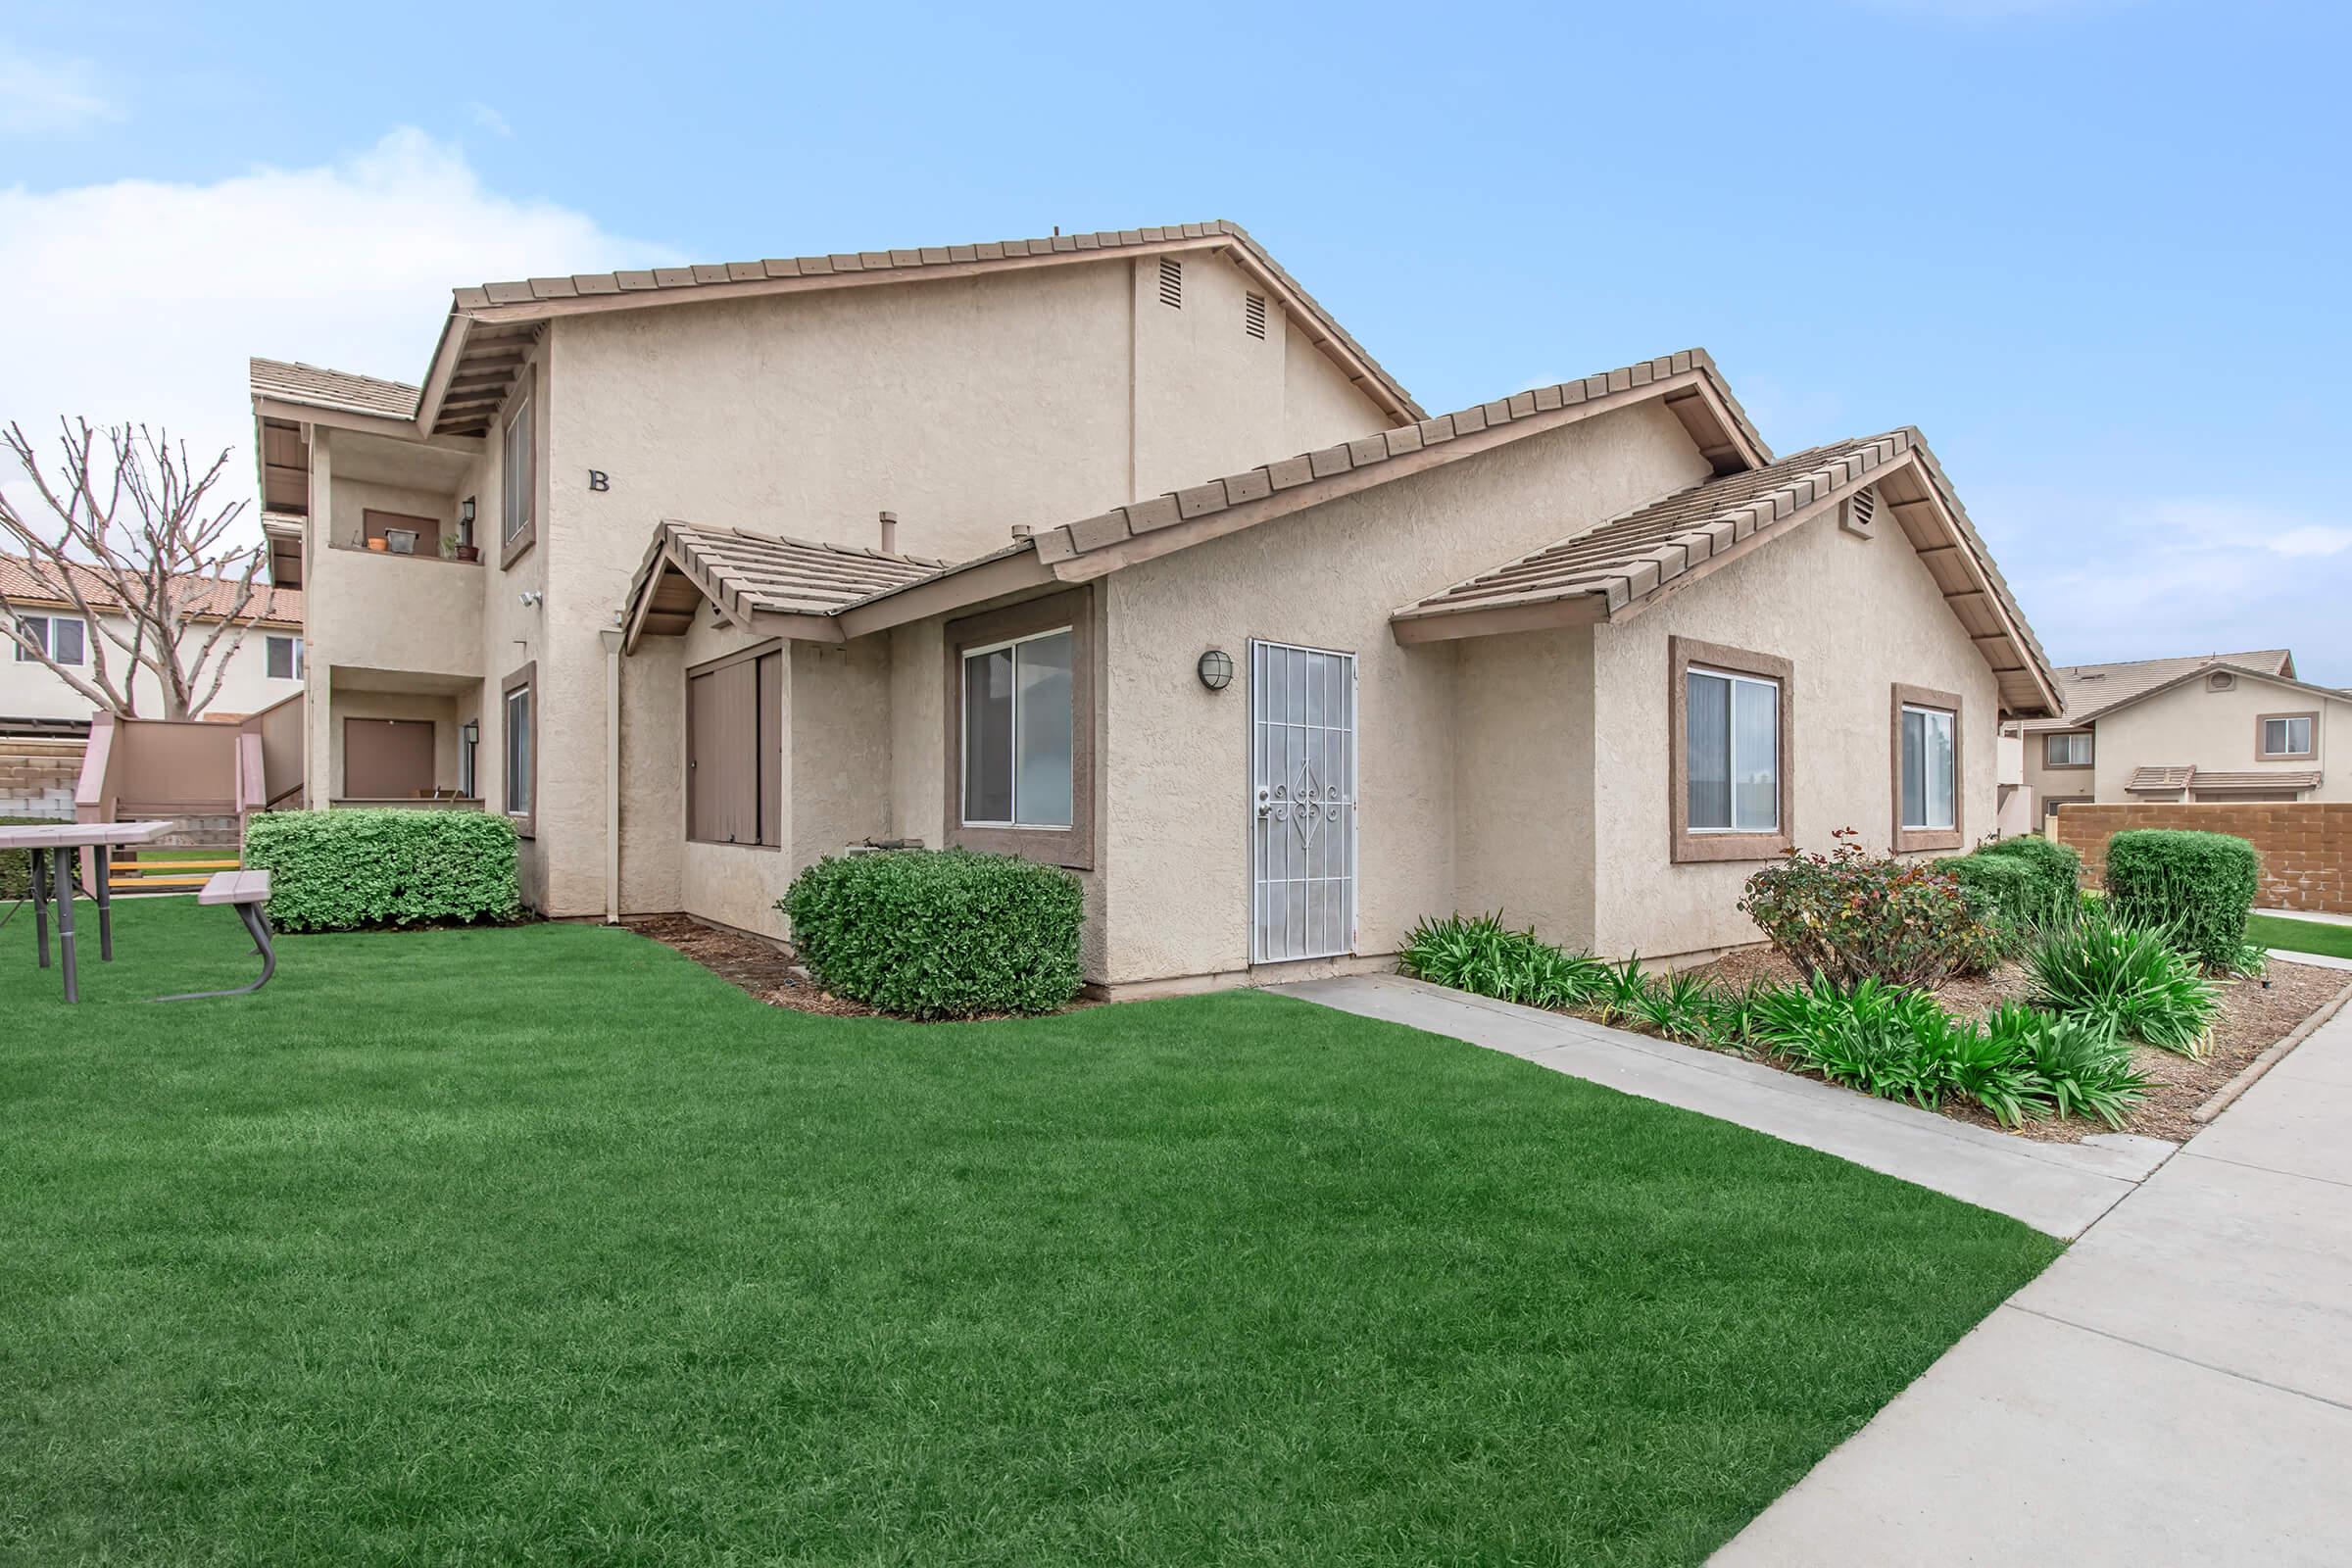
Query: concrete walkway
[2057,1187]
[2178,1388]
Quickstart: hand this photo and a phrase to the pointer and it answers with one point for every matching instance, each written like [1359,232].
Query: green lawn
[2300,936]
[545,1246]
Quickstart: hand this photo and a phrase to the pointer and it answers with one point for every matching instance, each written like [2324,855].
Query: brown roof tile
[316,386]
[768,574]
[211,597]
[2151,780]
[2090,689]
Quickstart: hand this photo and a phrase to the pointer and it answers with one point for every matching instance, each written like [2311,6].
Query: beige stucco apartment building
[2210,727]
[264,669]
[1117,551]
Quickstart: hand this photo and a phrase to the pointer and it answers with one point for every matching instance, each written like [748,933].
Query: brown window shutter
[769,767]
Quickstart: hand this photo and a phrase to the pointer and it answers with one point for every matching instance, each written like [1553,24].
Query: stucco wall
[1176,767]
[737,884]
[28,690]
[653,777]
[840,762]
[1523,820]
[2193,726]
[1854,617]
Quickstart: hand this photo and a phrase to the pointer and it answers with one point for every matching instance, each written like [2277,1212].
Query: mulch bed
[756,966]
[2253,1018]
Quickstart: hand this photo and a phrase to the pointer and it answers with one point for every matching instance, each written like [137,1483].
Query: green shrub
[1853,916]
[2126,979]
[2077,1067]
[1480,955]
[2055,871]
[1882,1040]
[939,933]
[347,870]
[2198,886]
[16,865]
[2004,887]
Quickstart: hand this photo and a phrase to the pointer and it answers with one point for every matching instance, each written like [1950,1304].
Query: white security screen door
[1303,793]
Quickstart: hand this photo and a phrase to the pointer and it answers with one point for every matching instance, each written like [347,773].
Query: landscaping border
[2276,1053]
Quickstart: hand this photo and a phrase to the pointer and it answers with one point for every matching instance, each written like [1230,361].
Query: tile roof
[912,261]
[1635,553]
[2091,689]
[2286,779]
[756,573]
[212,597]
[1372,451]
[2147,779]
[316,386]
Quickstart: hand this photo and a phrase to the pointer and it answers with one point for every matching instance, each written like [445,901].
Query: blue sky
[2096,250]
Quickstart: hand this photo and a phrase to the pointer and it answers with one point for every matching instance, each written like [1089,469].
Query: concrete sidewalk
[2178,1388]
[2057,1187]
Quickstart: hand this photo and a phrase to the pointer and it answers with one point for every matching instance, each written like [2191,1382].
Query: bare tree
[133,541]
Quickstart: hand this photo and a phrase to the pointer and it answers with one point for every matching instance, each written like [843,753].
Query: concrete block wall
[37,778]
[2306,846]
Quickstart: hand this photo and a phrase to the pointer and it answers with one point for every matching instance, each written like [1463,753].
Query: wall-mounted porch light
[1216,669]
[466,520]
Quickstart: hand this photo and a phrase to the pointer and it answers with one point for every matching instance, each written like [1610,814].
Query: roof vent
[2220,680]
[1171,282]
[1860,514]
[1253,314]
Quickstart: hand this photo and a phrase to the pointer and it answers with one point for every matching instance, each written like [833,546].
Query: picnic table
[53,848]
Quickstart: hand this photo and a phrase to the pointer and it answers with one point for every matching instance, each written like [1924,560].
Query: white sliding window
[1927,767]
[1018,730]
[1732,746]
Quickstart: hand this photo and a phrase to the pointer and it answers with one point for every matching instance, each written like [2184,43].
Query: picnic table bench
[247,892]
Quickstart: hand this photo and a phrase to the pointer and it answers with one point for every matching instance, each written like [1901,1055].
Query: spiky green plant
[2127,979]
[1480,954]
[2084,1068]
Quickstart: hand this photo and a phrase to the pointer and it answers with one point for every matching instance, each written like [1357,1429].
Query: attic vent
[1171,282]
[1861,513]
[2220,681]
[1253,314]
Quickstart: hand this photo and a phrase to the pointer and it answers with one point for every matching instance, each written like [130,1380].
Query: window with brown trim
[1730,722]
[2287,737]
[735,750]
[518,473]
[1927,770]
[519,720]
[2072,748]
[1019,741]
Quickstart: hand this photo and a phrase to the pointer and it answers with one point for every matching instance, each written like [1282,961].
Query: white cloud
[2139,579]
[140,300]
[491,120]
[48,94]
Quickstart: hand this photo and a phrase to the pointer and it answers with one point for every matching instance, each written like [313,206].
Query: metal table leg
[61,878]
[39,865]
[103,893]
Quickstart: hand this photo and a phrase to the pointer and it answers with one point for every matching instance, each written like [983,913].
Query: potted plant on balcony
[455,549]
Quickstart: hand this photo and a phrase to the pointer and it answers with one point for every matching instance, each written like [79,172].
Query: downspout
[611,640]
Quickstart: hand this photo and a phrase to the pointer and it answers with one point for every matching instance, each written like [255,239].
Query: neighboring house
[783,558]
[264,667]
[2213,727]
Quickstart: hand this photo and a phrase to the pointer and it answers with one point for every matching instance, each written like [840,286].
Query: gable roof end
[2090,689]
[750,575]
[1612,570]
[500,309]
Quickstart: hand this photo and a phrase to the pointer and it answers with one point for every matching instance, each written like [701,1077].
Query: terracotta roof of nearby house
[316,386]
[2144,781]
[749,573]
[2296,780]
[201,596]
[1384,454]
[2091,689]
[911,262]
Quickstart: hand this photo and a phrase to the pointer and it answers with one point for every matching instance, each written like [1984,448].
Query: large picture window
[1927,770]
[1729,734]
[735,750]
[1019,730]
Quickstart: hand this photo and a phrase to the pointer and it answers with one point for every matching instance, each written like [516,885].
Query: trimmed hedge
[16,865]
[2198,886]
[348,870]
[939,933]
[2056,869]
